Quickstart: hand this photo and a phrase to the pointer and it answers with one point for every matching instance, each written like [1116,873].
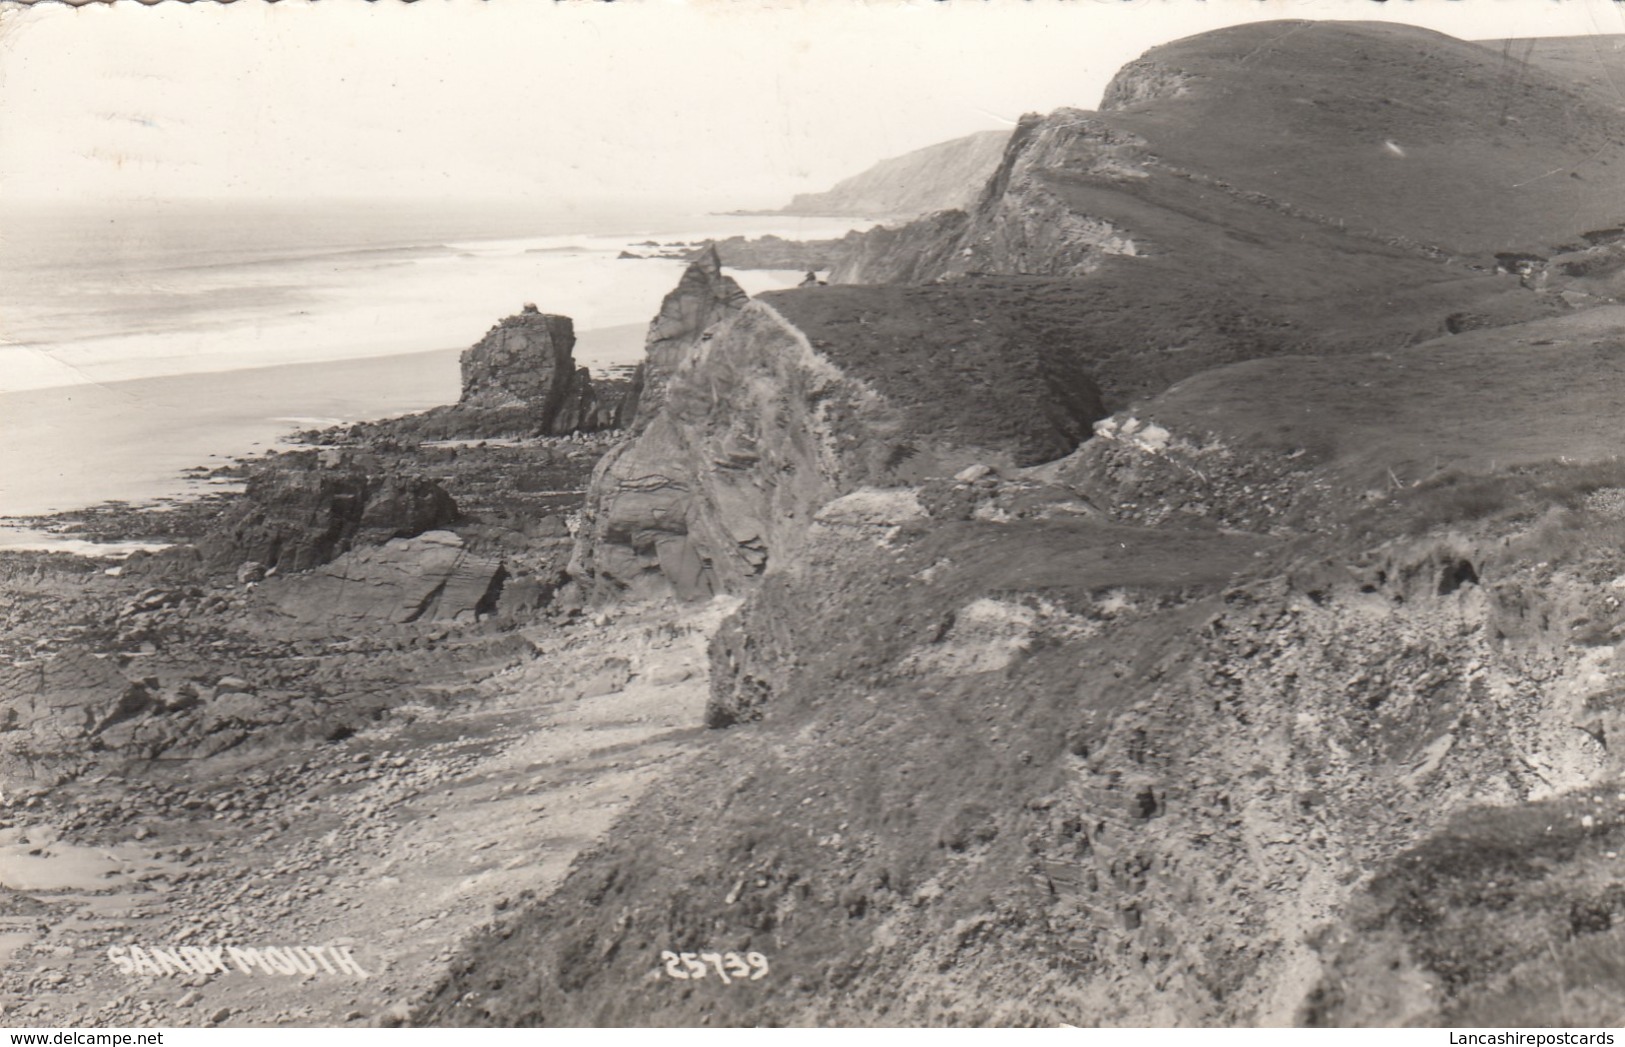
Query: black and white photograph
[910,514]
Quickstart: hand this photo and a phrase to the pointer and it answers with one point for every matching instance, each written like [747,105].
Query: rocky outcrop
[1144,81]
[520,380]
[770,408]
[525,359]
[748,442]
[703,298]
[429,578]
[939,177]
[522,377]
[50,708]
[64,713]
[298,513]
[1019,224]
[1023,225]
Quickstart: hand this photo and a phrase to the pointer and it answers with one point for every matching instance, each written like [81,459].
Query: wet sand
[74,446]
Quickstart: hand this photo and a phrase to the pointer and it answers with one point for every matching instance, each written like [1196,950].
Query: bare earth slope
[364,844]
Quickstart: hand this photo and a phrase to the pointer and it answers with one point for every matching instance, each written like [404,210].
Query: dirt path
[385,849]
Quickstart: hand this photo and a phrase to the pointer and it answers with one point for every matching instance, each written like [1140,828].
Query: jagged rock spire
[701,299]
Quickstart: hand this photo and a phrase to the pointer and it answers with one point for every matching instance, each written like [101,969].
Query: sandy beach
[73,446]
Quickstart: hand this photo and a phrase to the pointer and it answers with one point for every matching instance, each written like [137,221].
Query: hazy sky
[729,102]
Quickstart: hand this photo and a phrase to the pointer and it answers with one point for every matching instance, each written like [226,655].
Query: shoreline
[134,454]
[604,346]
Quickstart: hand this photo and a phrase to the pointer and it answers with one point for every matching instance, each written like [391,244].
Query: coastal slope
[1183,723]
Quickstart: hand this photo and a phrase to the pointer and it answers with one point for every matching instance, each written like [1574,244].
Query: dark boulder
[297,514]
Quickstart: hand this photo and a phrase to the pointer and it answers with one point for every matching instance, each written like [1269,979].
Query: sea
[138,341]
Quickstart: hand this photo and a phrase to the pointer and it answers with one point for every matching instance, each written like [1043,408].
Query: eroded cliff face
[755,413]
[939,177]
[1017,225]
[1021,226]
[756,431]
[1145,80]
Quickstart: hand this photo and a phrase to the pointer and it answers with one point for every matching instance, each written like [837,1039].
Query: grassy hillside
[1593,63]
[1480,401]
[1391,128]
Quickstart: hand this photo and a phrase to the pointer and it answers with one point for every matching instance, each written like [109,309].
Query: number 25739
[728,966]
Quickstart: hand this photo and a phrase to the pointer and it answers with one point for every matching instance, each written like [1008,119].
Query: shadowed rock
[297,514]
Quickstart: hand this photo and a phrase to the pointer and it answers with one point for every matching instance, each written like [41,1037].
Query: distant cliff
[939,177]
[1201,149]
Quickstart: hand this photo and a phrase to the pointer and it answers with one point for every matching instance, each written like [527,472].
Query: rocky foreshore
[176,711]
[763,252]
